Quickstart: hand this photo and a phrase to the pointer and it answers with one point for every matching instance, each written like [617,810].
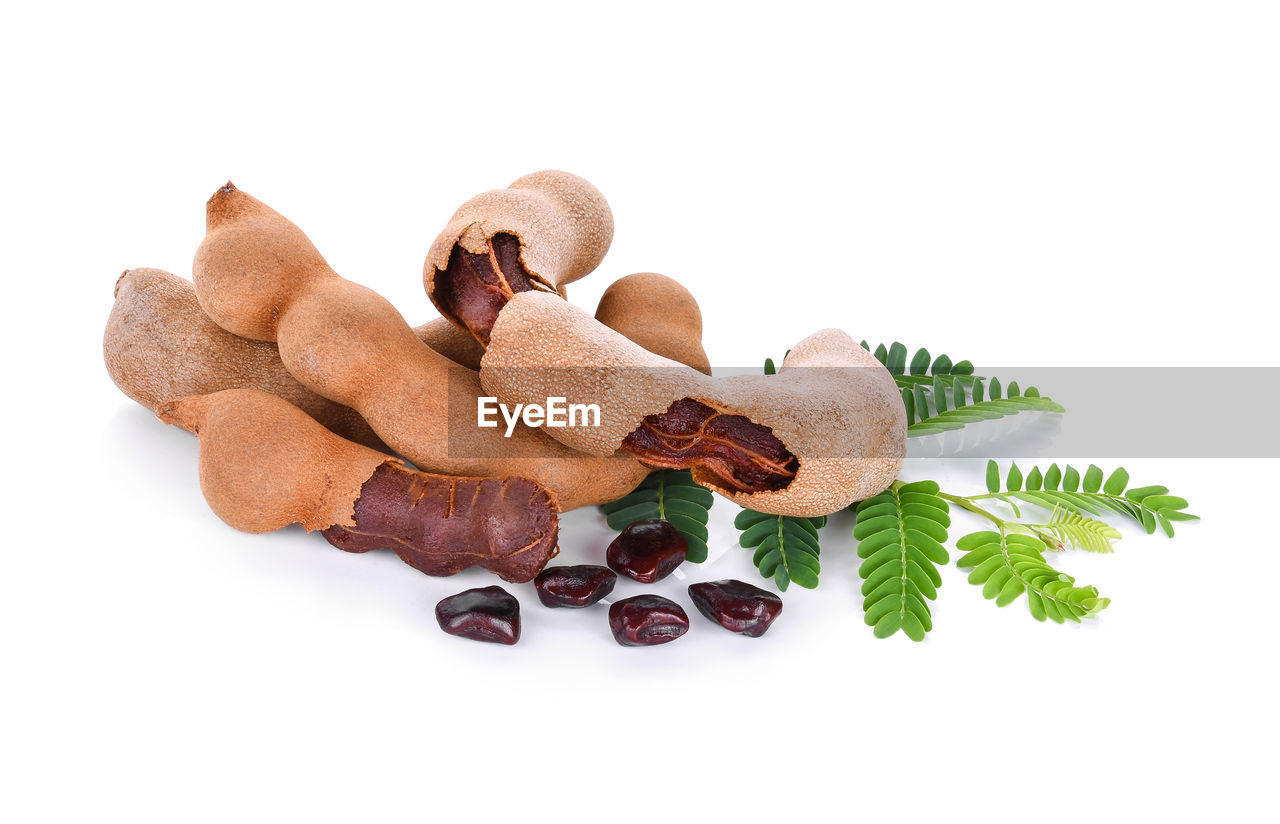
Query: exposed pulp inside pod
[443,525]
[742,455]
[473,288]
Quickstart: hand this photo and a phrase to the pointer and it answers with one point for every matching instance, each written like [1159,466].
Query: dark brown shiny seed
[647,551]
[645,620]
[736,605]
[485,614]
[574,586]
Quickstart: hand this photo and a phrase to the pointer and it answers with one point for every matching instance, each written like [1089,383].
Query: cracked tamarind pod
[265,464]
[258,276]
[159,344]
[657,313]
[543,231]
[827,430]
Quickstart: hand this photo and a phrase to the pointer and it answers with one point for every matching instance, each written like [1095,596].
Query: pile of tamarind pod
[309,392]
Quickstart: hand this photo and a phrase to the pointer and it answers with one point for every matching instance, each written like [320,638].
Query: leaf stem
[1036,530]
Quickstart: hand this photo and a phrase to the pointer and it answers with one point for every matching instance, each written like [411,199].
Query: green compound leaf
[1007,565]
[940,395]
[1087,495]
[1081,532]
[786,548]
[672,495]
[900,535]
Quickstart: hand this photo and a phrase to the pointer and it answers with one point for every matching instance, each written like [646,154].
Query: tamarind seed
[574,586]
[647,551]
[647,620]
[736,605]
[483,614]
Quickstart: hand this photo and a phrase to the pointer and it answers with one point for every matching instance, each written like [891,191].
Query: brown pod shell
[159,344]
[455,344]
[564,225]
[258,275]
[657,313]
[832,405]
[264,464]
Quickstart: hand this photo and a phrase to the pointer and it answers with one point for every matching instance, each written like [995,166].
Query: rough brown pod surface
[159,344]
[832,410]
[265,464]
[543,231]
[657,313]
[257,275]
[455,344]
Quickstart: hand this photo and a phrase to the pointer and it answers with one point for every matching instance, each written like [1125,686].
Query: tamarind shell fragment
[264,464]
[827,430]
[257,275]
[545,230]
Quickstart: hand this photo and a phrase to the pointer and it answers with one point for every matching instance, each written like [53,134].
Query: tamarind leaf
[669,494]
[900,533]
[1066,490]
[787,548]
[940,396]
[1009,564]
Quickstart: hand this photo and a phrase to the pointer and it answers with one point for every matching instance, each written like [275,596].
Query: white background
[1079,184]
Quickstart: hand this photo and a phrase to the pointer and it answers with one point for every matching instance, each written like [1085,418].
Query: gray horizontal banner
[1108,412]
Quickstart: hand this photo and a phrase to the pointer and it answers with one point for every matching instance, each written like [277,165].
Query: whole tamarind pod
[265,464]
[657,313]
[159,344]
[543,231]
[257,275]
[827,430]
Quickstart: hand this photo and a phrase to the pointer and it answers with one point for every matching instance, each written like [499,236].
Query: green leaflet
[922,367]
[672,495]
[1081,532]
[940,395]
[770,368]
[1008,564]
[900,535]
[1089,494]
[787,549]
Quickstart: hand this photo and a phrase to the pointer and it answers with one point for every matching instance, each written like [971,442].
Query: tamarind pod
[265,464]
[455,344]
[827,430]
[159,344]
[657,313]
[545,230]
[257,275]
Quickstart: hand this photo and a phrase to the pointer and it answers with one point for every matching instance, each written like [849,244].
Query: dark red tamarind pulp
[443,525]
